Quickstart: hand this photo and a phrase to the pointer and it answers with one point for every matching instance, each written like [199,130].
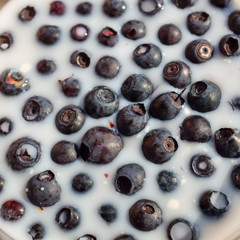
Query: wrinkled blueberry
[84,8]
[114,8]
[6,41]
[70,87]
[80,59]
[108,37]
[2,182]
[57,8]
[108,213]
[12,210]
[220,3]
[27,14]
[150,7]
[235,176]
[184,3]
[37,231]
[134,29]
[46,66]
[234,21]
[125,237]
[235,103]
[169,34]
[48,34]
[167,181]
[79,32]
[87,237]
[6,126]
[82,182]
[229,45]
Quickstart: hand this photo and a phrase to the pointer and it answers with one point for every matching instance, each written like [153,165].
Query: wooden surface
[3,2]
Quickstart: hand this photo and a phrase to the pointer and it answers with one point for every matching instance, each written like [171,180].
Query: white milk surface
[183,202]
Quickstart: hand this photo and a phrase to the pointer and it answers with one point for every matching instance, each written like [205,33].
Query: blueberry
[137,88]
[70,87]
[84,8]
[87,237]
[37,231]
[101,102]
[181,228]
[159,146]
[12,210]
[2,183]
[43,190]
[167,181]
[114,8]
[184,3]
[195,128]
[70,119]
[202,165]
[198,23]
[68,218]
[82,183]
[150,7]
[235,103]
[23,153]
[145,215]
[125,237]
[107,67]
[166,106]
[100,145]
[132,119]
[234,21]
[214,203]
[46,66]
[36,108]
[169,34]
[147,55]
[108,37]
[13,83]
[6,41]
[177,73]
[227,142]
[235,176]
[204,96]
[129,179]
[79,32]
[48,34]
[57,8]
[220,3]
[80,59]
[134,29]
[229,45]
[64,152]
[27,14]
[6,126]
[108,212]
[199,51]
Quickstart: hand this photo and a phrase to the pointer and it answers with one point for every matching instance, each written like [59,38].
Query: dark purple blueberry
[43,190]
[178,74]
[235,103]
[84,8]
[37,108]
[137,88]
[132,119]
[199,51]
[150,7]
[70,86]
[227,142]
[195,128]
[57,8]
[12,210]
[184,3]
[204,96]
[169,34]
[229,45]
[114,8]
[37,231]
[202,165]
[2,183]
[235,176]
[87,237]
[107,67]
[6,41]
[198,23]
[108,213]
[125,237]
[108,37]
[6,126]
[13,82]
[166,106]
[70,119]
[159,146]
[100,145]
[182,229]
[101,102]
[27,14]
[220,3]
[147,55]
[82,183]
[80,59]
[214,203]
[234,21]
[64,152]
[134,29]
[129,179]
[23,153]
[79,32]
[167,181]
[68,218]
[48,34]
[46,66]
[145,215]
